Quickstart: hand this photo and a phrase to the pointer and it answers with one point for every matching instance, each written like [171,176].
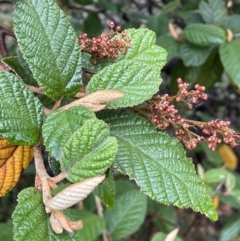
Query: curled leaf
[96,99]
[229,35]
[102,96]
[172,235]
[74,193]
[59,222]
[173,31]
[13,160]
[56,226]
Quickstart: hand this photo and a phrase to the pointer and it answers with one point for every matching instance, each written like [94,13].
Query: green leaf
[60,125]
[211,71]
[203,34]
[92,25]
[20,67]
[127,216]
[231,230]
[216,175]
[158,164]
[54,165]
[170,7]
[231,60]
[158,24]
[193,55]
[170,44]
[212,156]
[21,114]
[89,152]
[144,50]
[106,191]
[213,11]
[136,80]
[232,23]
[6,233]
[92,225]
[49,45]
[167,213]
[30,221]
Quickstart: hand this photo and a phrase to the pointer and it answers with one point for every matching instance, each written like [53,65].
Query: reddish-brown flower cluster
[164,114]
[105,45]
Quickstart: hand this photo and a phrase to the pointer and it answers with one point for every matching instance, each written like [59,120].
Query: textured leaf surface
[106,191]
[30,221]
[193,55]
[60,125]
[21,114]
[143,49]
[204,35]
[158,164]
[49,45]
[136,80]
[231,60]
[13,160]
[74,193]
[89,152]
[20,67]
[213,11]
[127,216]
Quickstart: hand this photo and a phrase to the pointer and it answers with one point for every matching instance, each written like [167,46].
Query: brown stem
[90,71]
[218,189]
[100,214]
[35,89]
[47,111]
[59,177]
[86,76]
[57,104]
[3,46]
[80,94]
[142,112]
[42,173]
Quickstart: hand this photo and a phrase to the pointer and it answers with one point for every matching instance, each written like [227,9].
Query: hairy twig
[42,173]
[57,104]
[58,178]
